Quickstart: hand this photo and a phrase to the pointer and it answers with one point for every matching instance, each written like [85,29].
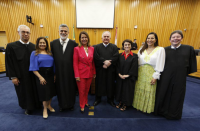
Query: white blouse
[156,59]
[86,51]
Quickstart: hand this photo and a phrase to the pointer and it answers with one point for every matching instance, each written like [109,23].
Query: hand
[104,66]
[94,76]
[153,81]
[125,76]
[42,81]
[54,78]
[78,79]
[107,62]
[15,81]
[121,76]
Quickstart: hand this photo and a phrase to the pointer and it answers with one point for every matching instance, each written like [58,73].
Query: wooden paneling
[134,51]
[2,61]
[160,16]
[3,39]
[197,74]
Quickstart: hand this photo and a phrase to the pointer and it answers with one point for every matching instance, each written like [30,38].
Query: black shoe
[72,108]
[96,103]
[87,105]
[82,111]
[119,105]
[27,112]
[112,103]
[123,108]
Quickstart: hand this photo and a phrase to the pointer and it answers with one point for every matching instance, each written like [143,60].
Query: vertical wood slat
[160,16]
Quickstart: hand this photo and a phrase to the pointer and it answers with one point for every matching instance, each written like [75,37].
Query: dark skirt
[46,92]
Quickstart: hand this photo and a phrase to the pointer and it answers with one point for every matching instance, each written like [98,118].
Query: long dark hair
[37,51]
[85,33]
[145,44]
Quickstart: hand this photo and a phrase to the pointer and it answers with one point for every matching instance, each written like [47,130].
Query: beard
[63,37]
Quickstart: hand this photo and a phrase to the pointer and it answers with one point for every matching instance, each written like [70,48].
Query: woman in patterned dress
[151,62]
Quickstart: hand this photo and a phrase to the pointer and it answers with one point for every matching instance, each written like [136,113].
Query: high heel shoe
[82,110]
[123,108]
[51,109]
[45,116]
[119,105]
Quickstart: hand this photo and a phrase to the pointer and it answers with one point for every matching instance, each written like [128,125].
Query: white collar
[66,41]
[106,44]
[172,47]
[23,42]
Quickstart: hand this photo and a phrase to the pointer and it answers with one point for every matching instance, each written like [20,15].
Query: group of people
[154,80]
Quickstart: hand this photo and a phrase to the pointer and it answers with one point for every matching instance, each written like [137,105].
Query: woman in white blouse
[151,62]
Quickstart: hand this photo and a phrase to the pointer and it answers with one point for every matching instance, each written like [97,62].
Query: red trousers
[83,89]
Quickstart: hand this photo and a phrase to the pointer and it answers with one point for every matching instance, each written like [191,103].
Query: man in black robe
[180,61]
[17,68]
[105,56]
[62,50]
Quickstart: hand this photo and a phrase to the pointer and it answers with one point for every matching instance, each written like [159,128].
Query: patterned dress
[150,66]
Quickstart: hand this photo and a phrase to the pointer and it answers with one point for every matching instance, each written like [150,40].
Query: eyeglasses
[25,32]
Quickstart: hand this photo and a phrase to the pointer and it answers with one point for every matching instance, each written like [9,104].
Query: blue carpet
[2,75]
[105,117]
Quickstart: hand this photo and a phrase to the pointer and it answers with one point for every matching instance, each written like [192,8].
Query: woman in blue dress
[42,65]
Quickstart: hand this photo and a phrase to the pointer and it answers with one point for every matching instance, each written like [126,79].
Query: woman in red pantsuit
[84,68]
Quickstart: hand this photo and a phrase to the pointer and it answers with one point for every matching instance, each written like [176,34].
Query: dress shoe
[87,105]
[96,103]
[45,116]
[27,112]
[82,111]
[112,103]
[51,109]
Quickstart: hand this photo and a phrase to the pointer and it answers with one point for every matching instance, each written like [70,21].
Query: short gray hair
[64,25]
[106,32]
[19,27]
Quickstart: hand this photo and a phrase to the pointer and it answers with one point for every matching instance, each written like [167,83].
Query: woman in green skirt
[151,62]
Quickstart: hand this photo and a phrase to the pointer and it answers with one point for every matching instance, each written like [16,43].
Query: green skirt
[144,95]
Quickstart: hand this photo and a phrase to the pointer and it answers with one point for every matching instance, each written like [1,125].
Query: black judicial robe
[65,81]
[17,59]
[105,78]
[125,87]
[172,85]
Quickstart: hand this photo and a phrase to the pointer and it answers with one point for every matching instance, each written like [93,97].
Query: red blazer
[83,66]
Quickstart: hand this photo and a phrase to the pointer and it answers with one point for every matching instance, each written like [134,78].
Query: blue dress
[44,64]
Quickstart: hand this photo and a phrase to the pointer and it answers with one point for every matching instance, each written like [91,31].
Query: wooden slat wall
[160,16]
[2,62]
